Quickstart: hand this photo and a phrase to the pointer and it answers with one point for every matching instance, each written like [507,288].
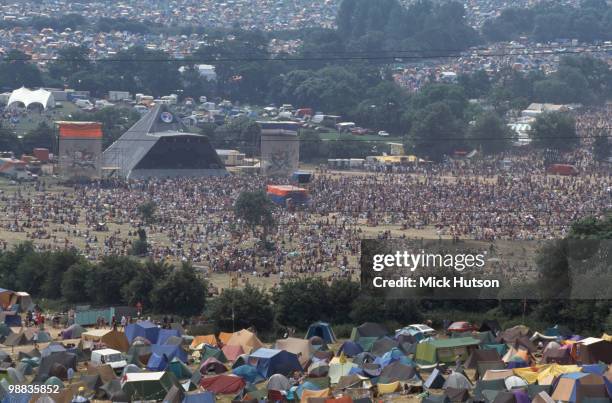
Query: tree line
[165,289]
[589,21]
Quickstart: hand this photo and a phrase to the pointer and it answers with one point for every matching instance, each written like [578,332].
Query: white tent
[28,97]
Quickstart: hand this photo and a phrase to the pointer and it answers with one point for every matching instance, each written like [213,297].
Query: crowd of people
[194,219]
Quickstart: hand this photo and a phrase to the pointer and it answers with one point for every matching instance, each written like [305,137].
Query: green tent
[55,382]
[148,385]
[210,351]
[367,343]
[179,369]
[501,348]
[444,350]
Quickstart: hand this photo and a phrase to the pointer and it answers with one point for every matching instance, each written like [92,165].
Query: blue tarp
[169,351]
[164,334]
[322,330]
[199,397]
[145,329]
[272,361]
[157,362]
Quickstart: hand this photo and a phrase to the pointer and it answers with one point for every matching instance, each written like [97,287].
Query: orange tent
[206,339]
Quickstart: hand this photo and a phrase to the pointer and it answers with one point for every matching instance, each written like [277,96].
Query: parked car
[383,133]
[460,327]
[426,330]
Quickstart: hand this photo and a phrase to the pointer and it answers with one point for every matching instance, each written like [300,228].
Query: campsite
[145,361]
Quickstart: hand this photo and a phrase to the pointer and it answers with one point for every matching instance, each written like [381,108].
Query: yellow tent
[606,337]
[544,374]
[206,339]
[300,347]
[384,388]
[245,339]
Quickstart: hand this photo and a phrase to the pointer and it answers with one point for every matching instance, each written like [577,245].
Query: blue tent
[201,396]
[395,354]
[157,362]
[248,373]
[51,349]
[12,319]
[599,369]
[350,348]
[169,351]
[164,334]
[272,361]
[322,330]
[145,329]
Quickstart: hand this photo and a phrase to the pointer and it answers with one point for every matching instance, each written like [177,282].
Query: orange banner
[80,130]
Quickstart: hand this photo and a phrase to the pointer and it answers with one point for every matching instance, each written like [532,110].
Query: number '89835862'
[31,389]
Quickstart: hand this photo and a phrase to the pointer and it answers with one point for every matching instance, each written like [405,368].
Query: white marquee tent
[28,97]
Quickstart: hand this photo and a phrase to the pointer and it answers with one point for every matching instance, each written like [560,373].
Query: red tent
[223,384]
[232,352]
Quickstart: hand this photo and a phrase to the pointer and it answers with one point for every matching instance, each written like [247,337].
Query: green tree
[341,295]
[555,130]
[236,309]
[311,146]
[16,71]
[181,292]
[255,209]
[140,287]
[490,134]
[74,282]
[41,136]
[436,132]
[109,276]
[140,247]
[301,302]
[147,211]
[57,264]
[9,141]
[602,149]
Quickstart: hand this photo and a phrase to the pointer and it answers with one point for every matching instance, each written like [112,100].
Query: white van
[83,104]
[109,356]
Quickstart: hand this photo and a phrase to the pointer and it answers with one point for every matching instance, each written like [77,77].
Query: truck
[108,356]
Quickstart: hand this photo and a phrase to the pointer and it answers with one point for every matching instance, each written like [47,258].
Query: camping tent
[165,334]
[223,384]
[145,329]
[73,332]
[444,350]
[232,352]
[110,338]
[592,350]
[576,386]
[339,367]
[435,380]
[212,365]
[490,326]
[322,330]
[245,339]
[271,361]
[368,329]
[300,347]
[350,348]
[51,363]
[169,351]
[206,339]
[398,372]
[148,385]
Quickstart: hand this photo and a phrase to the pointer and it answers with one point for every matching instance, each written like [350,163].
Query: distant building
[536,109]
[159,145]
[280,148]
[80,148]
[207,71]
